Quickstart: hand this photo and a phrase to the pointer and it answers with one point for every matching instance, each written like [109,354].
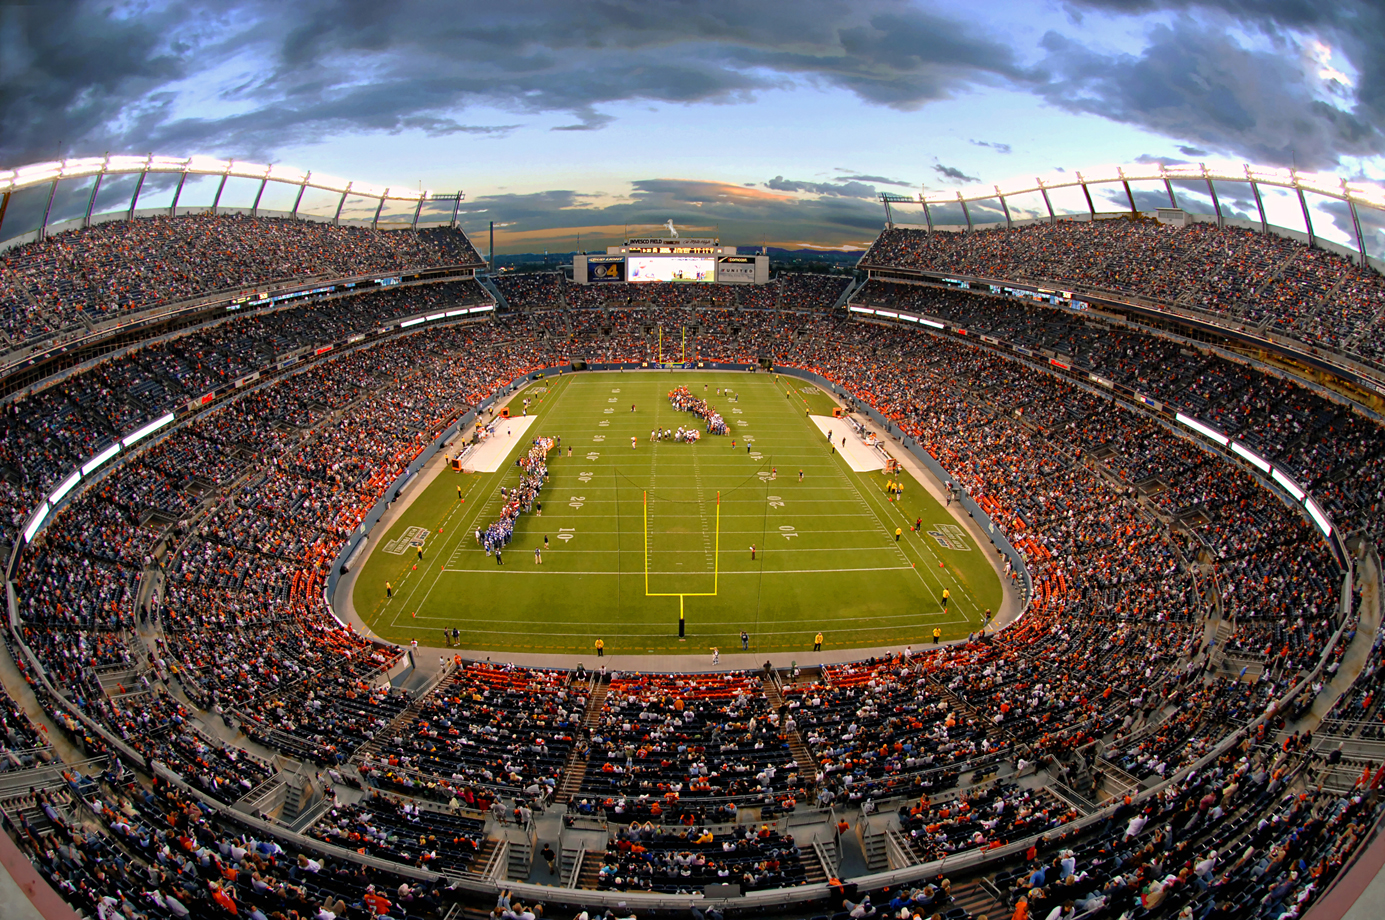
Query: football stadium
[1023,565]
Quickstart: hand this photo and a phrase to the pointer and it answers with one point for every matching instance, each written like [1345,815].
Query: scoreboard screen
[671,268]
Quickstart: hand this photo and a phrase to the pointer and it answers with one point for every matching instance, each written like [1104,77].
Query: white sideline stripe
[664,634]
[579,619]
[562,550]
[490,453]
[517,568]
[858,456]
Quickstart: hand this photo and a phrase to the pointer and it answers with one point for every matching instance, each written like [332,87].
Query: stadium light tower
[888,198]
[1043,189]
[1088,193]
[1212,190]
[1009,224]
[1259,204]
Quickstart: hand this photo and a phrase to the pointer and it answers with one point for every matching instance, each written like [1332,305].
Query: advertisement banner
[605,268]
[736,268]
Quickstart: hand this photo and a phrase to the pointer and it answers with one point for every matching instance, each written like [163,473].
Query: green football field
[635,534]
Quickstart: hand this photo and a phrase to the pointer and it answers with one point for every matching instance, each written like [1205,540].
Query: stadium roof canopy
[1353,194]
[54,171]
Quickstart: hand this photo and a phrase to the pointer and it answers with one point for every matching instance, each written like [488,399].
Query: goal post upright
[684,595]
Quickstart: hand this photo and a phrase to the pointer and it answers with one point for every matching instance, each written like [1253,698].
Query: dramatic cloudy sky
[774,122]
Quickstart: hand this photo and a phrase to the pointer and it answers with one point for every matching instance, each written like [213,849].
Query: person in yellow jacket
[600,648]
[946,595]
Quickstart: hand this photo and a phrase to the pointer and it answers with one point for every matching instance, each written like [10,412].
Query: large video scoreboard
[671,260]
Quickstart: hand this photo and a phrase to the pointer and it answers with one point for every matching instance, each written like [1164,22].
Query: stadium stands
[1239,276]
[127,266]
[176,603]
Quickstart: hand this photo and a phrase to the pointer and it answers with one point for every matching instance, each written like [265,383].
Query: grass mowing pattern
[826,554]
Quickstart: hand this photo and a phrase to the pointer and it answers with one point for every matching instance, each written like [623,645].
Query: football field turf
[635,533]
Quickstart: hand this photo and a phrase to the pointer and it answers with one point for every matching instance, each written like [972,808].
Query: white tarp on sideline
[487,456]
[859,457]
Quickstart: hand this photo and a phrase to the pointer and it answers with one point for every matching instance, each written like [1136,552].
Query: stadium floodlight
[36,175]
[1141,172]
[36,522]
[85,166]
[888,313]
[23,173]
[1287,484]
[410,322]
[249,170]
[482,309]
[91,465]
[1250,456]
[289,174]
[861,310]
[432,316]
[164,164]
[125,164]
[1100,175]
[1371,195]
[1202,429]
[930,322]
[329,183]
[1270,174]
[1321,184]
[67,485]
[207,166]
[367,190]
[147,430]
[1318,517]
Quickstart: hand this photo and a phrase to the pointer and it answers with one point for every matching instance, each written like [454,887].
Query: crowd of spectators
[237,516]
[1244,277]
[121,850]
[1332,450]
[685,860]
[123,266]
[681,738]
[398,829]
[488,730]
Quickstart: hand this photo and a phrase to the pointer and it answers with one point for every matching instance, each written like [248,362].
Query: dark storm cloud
[953,174]
[997,147]
[846,189]
[1191,151]
[80,78]
[877,180]
[1149,158]
[1372,225]
[70,71]
[1197,81]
